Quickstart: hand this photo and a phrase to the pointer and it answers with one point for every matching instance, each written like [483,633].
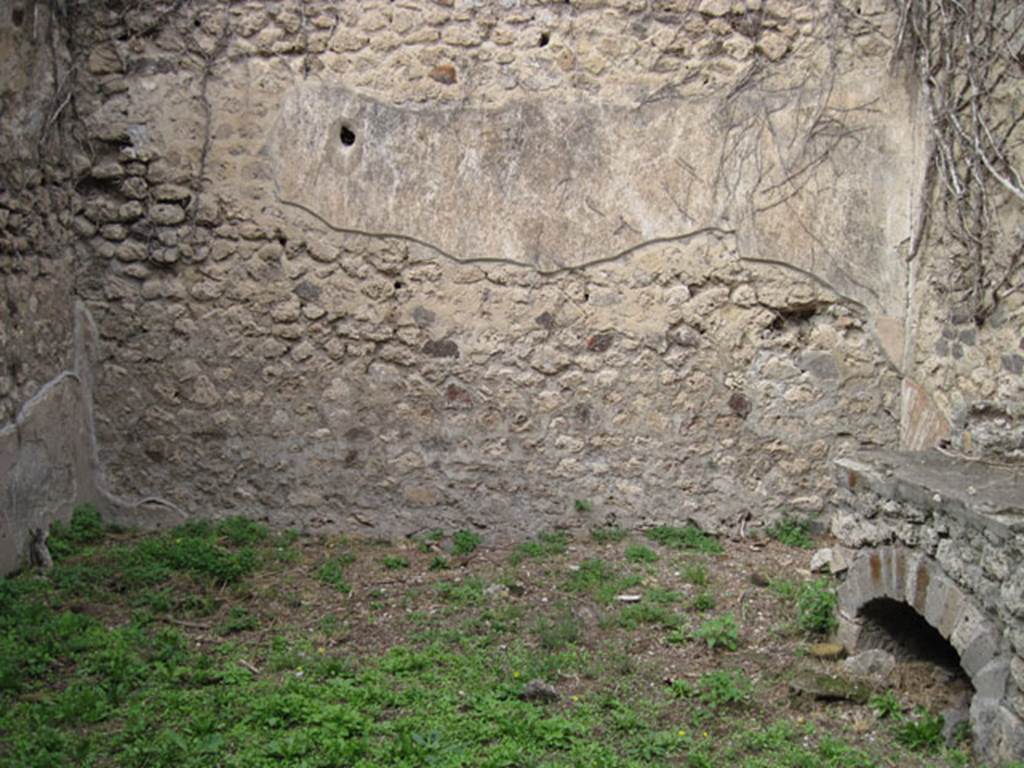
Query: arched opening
[896,627]
[928,670]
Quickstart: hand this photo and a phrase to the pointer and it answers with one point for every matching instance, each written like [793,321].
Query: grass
[722,688]
[792,532]
[787,589]
[638,553]
[464,593]
[225,644]
[599,579]
[546,544]
[608,534]
[238,620]
[333,572]
[695,573]
[84,528]
[648,614]
[687,537]
[558,631]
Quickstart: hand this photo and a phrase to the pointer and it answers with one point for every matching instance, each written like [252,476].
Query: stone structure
[389,266]
[946,537]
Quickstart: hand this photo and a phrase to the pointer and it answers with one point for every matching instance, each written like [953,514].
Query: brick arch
[901,574]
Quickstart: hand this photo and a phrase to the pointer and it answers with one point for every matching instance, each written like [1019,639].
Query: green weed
[191,548]
[465,542]
[922,733]
[195,605]
[590,575]
[695,573]
[638,553]
[662,596]
[886,705]
[556,632]
[792,532]
[787,589]
[687,537]
[678,636]
[394,562]
[238,620]
[547,544]
[427,542]
[722,688]
[608,534]
[637,614]
[703,601]
[240,531]
[816,607]
[465,593]
[719,632]
[333,572]
[85,528]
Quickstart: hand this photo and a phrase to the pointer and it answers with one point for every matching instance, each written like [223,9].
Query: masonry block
[991,680]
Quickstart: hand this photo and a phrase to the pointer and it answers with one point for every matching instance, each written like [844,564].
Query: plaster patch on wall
[546,183]
[563,183]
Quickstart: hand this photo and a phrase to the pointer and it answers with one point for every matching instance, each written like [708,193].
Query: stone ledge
[989,496]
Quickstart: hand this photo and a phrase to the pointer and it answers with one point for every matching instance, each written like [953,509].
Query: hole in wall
[928,671]
[91,186]
[545,38]
[399,285]
[793,318]
[896,627]
[347,136]
[18,16]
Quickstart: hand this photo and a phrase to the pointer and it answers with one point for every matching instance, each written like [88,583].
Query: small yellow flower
[681,734]
[515,674]
[705,734]
[575,698]
[321,650]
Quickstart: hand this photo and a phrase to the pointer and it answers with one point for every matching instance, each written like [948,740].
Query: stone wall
[945,536]
[396,265]
[41,402]
[36,263]
[966,259]
[389,266]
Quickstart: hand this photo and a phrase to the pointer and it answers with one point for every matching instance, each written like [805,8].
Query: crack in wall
[471,261]
[612,258]
[209,59]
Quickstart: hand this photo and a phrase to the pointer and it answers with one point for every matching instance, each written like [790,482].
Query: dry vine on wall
[970,57]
